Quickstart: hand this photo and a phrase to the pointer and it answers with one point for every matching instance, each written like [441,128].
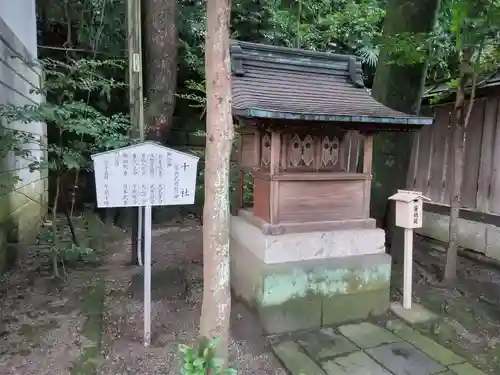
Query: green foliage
[461,23]
[98,26]
[80,128]
[66,252]
[76,130]
[343,26]
[192,32]
[202,360]
[195,95]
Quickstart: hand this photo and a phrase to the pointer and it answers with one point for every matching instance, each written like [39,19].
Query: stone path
[367,349]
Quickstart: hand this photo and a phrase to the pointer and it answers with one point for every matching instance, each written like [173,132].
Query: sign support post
[147,276]
[408,268]
[140,234]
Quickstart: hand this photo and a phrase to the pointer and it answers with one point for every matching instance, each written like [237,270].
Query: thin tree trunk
[459,124]
[69,218]
[55,238]
[160,49]
[216,290]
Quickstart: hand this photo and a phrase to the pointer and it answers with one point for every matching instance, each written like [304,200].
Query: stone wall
[23,205]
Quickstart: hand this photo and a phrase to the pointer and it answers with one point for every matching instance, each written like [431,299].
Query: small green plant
[202,360]
[63,252]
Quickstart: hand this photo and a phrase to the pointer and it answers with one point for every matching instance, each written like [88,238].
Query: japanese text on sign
[145,174]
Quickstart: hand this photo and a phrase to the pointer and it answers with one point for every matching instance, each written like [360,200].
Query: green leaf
[206,353]
[217,363]
[199,362]
[214,342]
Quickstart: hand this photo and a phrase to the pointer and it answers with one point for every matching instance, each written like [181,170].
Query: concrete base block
[292,294]
[275,249]
[417,313]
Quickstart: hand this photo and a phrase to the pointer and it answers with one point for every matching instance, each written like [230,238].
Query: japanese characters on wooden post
[146,174]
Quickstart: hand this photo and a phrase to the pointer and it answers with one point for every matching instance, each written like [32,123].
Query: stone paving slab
[402,358]
[325,343]
[428,346]
[357,363]
[367,335]
[368,349]
[295,360]
[465,369]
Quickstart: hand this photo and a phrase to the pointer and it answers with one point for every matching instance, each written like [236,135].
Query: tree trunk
[216,290]
[460,120]
[160,49]
[399,87]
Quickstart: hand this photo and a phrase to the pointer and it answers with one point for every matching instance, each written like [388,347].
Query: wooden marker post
[409,211]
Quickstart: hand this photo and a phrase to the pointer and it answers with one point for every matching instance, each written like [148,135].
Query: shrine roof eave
[378,122]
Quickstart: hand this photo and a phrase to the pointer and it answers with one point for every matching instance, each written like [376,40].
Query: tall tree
[216,288]
[160,48]
[398,85]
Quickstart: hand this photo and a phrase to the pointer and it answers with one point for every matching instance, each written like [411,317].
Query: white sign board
[146,174]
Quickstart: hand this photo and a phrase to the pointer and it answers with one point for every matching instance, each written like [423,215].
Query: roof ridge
[287,57]
[290,50]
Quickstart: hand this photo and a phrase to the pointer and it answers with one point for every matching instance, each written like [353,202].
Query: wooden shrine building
[297,113]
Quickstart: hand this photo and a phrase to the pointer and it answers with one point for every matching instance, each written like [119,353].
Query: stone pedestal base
[309,280]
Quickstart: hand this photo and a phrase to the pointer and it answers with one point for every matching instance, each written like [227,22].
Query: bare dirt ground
[46,323]
[91,323]
[177,273]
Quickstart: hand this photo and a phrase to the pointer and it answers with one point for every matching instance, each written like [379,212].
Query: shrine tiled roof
[293,84]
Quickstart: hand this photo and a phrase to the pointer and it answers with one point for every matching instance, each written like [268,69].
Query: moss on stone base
[292,315]
[352,307]
[316,310]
